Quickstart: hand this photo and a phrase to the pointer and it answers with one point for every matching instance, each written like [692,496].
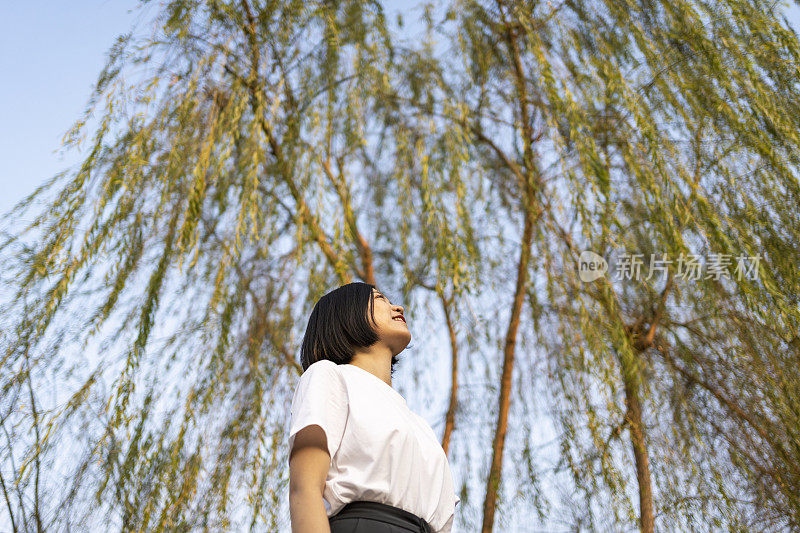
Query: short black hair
[341,321]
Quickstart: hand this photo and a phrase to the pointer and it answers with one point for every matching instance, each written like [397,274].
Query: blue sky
[50,55]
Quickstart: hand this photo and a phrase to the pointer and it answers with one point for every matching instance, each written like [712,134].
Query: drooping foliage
[666,130]
[242,166]
[242,158]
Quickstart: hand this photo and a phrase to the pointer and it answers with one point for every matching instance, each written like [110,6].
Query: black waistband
[385,513]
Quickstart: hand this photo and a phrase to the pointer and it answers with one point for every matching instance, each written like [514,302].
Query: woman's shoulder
[320,382]
[322,366]
[322,370]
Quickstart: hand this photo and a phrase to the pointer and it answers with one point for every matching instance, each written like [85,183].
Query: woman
[360,460]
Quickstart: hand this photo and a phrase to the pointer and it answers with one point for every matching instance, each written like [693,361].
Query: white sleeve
[321,399]
[448,526]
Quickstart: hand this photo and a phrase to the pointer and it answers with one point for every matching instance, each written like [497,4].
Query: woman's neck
[376,360]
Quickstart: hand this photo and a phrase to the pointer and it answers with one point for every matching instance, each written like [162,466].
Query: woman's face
[390,323]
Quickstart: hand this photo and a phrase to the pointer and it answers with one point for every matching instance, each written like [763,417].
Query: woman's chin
[407,340]
[400,342]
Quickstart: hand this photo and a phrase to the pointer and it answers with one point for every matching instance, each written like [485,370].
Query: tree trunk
[637,432]
[528,184]
[450,418]
[495,470]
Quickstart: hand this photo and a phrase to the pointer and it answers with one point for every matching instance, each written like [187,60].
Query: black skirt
[374,517]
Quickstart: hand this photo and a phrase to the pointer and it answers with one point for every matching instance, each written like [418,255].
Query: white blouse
[380,450]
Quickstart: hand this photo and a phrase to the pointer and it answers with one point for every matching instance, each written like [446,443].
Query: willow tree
[249,156]
[239,169]
[663,129]
[673,131]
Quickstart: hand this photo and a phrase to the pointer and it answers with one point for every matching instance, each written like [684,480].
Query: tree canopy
[245,157]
